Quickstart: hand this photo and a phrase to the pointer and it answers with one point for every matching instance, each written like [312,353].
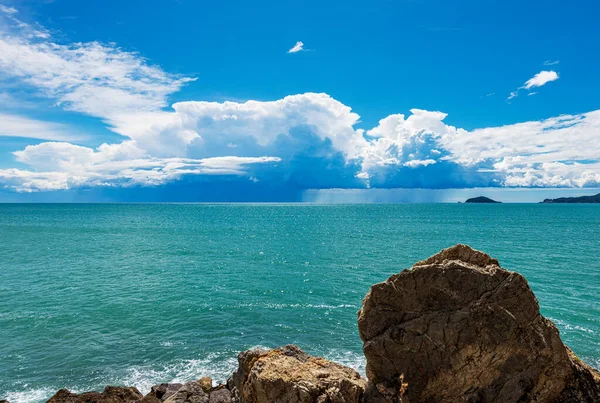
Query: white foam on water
[567,326]
[218,366]
[351,359]
[29,396]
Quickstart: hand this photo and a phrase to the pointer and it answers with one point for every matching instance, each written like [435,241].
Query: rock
[4,401]
[459,328]
[163,391]
[191,392]
[220,396]
[288,375]
[111,394]
[205,383]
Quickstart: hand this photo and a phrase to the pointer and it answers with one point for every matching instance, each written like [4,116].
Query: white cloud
[18,126]
[560,151]
[298,47]
[253,125]
[100,80]
[541,78]
[8,10]
[62,166]
[419,163]
[551,62]
[304,137]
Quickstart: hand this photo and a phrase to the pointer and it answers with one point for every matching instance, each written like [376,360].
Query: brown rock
[164,390]
[205,383]
[220,396]
[191,392]
[288,375]
[111,394]
[459,328]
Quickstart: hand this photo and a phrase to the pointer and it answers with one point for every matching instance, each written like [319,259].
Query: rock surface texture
[192,392]
[163,391]
[459,328]
[288,375]
[111,394]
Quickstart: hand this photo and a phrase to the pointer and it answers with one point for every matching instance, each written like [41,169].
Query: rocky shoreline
[455,327]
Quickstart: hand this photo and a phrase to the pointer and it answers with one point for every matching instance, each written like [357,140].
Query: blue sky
[198,101]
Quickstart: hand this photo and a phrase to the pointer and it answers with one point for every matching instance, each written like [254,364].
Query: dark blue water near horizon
[137,294]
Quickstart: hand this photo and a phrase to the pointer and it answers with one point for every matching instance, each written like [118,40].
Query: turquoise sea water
[140,294]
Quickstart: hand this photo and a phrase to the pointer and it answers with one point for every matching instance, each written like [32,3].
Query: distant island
[580,199]
[481,199]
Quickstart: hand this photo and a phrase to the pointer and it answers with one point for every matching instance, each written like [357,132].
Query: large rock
[162,391]
[191,392]
[459,328]
[111,394]
[220,396]
[200,391]
[288,375]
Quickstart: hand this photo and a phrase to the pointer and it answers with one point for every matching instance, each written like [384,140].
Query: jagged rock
[459,328]
[163,391]
[288,375]
[191,392]
[4,401]
[111,394]
[220,396]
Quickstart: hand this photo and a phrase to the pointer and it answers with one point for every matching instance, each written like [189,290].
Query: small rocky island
[455,327]
[580,199]
[481,199]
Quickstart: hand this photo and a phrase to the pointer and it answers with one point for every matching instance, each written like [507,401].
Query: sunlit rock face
[457,327]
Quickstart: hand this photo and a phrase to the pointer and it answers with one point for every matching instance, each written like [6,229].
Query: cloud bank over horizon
[302,141]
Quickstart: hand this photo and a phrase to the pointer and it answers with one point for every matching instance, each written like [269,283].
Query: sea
[139,294]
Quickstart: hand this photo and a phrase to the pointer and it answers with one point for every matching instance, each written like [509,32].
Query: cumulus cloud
[311,140]
[303,141]
[298,47]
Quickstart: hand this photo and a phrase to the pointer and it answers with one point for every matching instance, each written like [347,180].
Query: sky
[181,100]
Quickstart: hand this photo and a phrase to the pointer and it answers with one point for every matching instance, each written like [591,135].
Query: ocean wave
[354,360]
[567,326]
[218,366]
[29,396]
